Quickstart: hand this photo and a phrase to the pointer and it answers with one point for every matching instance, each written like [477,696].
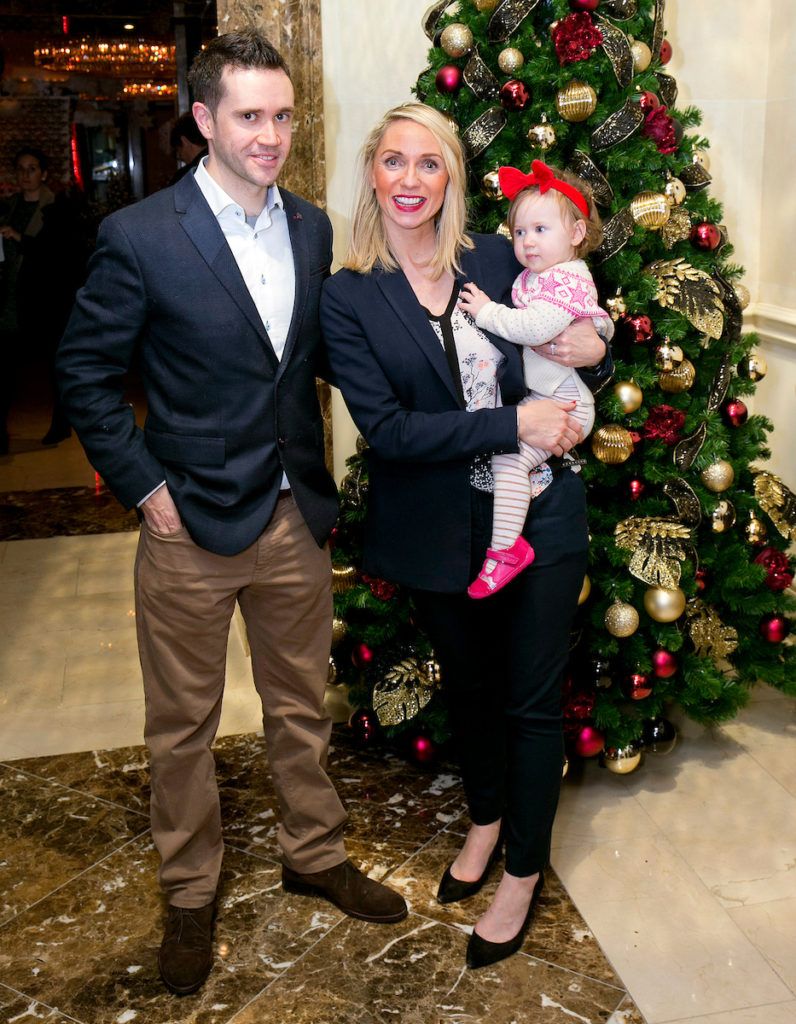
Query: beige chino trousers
[185,598]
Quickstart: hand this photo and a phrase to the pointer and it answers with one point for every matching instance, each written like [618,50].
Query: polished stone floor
[80,912]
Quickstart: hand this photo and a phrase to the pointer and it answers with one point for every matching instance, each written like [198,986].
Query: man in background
[188,143]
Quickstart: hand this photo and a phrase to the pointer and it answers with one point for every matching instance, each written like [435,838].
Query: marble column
[294,27]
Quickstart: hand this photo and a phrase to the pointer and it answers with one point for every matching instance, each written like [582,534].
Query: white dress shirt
[264,257]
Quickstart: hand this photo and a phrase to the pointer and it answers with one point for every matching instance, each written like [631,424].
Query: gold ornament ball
[343,578]
[456,40]
[510,60]
[621,619]
[576,101]
[612,444]
[642,55]
[675,192]
[722,518]
[339,630]
[650,209]
[742,292]
[701,158]
[433,672]
[616,306]
[681,378]
[484,6]
[664,605]
[622,760]
[668,356]
[331,677]
[585,590]
[542,136]
[490,186]
[755,530]
[754,367]
[718,476]
[565,768]
[629,394]
[504,230]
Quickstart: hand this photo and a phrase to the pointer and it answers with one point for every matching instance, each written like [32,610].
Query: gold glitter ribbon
[686,503]
[617,232]
[618,127]
[694,177]
[657,546]
[483,131]
[617,50]
[508,17]
[667,87]
[583,165]
[690,292]
[479,78]
[402,693]
[432,17]
[720,384]
[733,313]
[710,637]
[677,228]
[657,28]
[778,502]
[686,451]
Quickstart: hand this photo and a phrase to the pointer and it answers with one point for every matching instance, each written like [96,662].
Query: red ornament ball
[666,51]
[734,412]
[774,627]
[637,686]
[362,655]
[702,577]
[636,488]
[648,101]
[365,725]
[636,438]
[636,327]
[584,5]
[515,95]
[664,663]
[449,79]
[589,741]
[422,749]
[705,236]
[579,707]
[778,568]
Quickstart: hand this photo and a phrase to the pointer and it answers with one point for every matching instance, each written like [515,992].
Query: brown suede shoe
[354,893]
[186,952]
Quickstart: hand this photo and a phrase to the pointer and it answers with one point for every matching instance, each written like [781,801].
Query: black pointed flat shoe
[483,953]
[452,889]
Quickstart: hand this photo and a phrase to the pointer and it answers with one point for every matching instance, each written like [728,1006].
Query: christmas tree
[686,596]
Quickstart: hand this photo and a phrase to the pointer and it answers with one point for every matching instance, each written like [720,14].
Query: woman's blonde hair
[594,228]
[369,246]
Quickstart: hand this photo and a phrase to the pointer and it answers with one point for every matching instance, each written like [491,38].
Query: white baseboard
[772,323]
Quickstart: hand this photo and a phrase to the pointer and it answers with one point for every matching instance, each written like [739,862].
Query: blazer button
[281,441]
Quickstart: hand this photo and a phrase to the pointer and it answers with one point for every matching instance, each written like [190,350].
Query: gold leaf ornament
[778,502]
[710,637]
[690,292]
[403,692]
[657,546]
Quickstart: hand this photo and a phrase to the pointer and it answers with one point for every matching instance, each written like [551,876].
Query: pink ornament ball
[422,749]
[774,628]
[449,79]
[589,741]
[664,663]
[584,5]
[734,412]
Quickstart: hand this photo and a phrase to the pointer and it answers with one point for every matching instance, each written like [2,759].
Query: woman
[434,397]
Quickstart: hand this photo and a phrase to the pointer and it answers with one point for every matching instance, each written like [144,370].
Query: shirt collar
[219,201]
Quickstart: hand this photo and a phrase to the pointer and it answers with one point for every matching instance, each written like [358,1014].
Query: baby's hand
[472,300]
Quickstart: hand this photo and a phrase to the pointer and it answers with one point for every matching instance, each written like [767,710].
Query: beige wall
[733,59]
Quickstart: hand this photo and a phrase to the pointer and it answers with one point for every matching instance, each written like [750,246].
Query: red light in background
[65,24]
[77,170]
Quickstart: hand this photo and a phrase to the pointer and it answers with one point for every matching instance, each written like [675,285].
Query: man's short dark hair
[186,128]
[36,153]
[239,50]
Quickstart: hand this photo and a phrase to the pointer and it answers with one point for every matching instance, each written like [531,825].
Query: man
[189,145]
[214,285]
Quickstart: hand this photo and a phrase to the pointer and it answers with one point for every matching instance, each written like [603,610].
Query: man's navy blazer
[225,416]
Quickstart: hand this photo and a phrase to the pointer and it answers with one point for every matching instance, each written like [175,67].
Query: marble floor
[673,894]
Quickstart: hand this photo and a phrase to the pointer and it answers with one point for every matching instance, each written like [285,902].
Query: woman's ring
[552,348]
